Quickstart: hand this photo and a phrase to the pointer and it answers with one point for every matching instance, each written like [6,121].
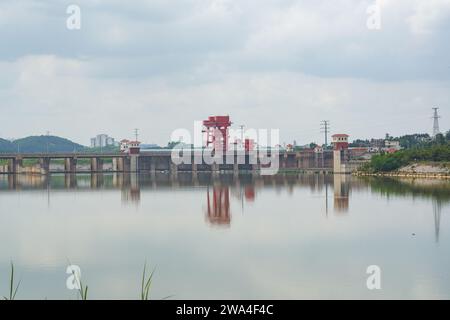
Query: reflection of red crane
[218,212]
[249,192]
[216,128]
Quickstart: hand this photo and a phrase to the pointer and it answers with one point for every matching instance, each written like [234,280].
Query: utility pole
[435,122]
[136,133]
[325,128]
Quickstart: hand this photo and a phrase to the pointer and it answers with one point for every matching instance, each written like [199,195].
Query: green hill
[35,144]
[6,146]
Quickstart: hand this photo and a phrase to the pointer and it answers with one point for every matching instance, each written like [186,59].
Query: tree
[172,144]
[414,140]
[439,138]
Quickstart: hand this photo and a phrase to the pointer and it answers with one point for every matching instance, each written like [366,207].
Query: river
[225,237]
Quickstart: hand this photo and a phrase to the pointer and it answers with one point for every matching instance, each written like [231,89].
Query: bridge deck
[81,155]
[60,155]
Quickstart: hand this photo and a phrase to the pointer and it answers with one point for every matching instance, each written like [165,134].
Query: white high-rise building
[102,140]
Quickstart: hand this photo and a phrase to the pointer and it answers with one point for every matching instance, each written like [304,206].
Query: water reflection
[320,232]
[437,218]
[341,193]
[218,206]
[243,189]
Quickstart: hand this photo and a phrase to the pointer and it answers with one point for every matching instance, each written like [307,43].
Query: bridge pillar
[100,162]
[70,165]
[120,164]
[197,159]
[215,170]
[134,163]
[152,165]
[316,160]
[18,165]
[12,181]
[173,169]
[96,164]
[256,168]
[117,164]
[44,164]
[297,160]
[70,180]
[284,161]
[11,165]
[195,178]
[126,164]
[94,180]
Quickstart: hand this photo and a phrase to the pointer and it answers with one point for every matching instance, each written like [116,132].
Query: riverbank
[435,170]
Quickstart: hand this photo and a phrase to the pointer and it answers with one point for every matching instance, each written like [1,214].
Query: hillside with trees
[36,144]
[6,146]
[435,150]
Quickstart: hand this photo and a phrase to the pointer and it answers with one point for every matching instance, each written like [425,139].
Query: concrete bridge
[15,161]
[158,160]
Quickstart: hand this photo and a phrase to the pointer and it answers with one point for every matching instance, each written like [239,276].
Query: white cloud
[64,92]
[428,15]
[159,66]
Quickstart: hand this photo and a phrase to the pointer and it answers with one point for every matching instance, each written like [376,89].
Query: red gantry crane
[216,129]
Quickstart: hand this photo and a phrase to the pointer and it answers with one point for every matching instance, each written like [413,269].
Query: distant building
[124,145]
[377,144]
[131,147]
[390,150]
[102,140]
[392,144]
[359,152]
[340,141]
[340,152]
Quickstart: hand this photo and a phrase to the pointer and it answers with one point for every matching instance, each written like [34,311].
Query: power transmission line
[435,122]
[325,128]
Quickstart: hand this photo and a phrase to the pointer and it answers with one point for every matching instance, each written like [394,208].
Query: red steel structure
[249,144]
[216,129]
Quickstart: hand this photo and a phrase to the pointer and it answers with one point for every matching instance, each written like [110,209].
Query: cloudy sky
[159,65]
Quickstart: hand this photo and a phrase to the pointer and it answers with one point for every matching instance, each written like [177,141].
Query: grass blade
[146,283]
[11,281]
[12,289]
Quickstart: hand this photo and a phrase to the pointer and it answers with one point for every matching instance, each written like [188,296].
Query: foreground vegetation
[82,291]
[394,161]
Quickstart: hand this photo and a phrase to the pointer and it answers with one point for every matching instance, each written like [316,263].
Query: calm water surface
[281,237]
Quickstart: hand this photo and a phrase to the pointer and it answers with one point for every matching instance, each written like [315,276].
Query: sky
[160,65]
